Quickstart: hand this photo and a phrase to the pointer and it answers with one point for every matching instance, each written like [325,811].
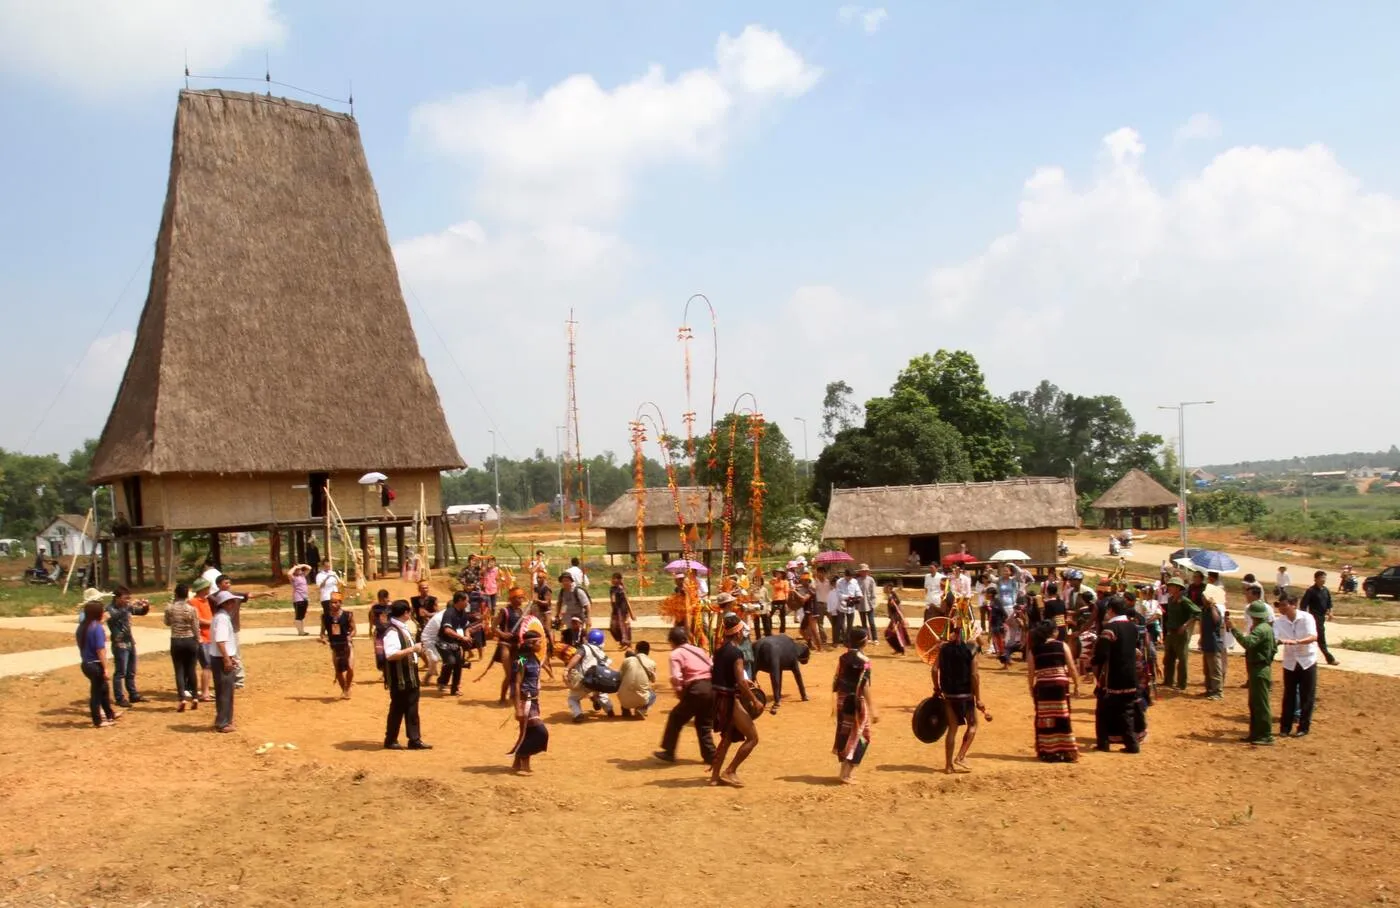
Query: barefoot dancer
[955,679]
[525,687]
[338,629]
[855,710]
[897,633]
[732,720]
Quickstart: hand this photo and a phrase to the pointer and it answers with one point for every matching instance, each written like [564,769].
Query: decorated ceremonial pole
[639,487]
[689,608]
[685,335]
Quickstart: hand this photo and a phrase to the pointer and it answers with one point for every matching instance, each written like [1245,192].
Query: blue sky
[1065,192]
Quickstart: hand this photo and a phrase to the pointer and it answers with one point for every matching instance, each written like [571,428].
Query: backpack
[599,677]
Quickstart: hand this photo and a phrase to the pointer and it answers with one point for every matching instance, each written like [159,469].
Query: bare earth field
[161,811]
[20,641]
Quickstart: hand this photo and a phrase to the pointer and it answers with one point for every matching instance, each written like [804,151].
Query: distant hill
[1385,460]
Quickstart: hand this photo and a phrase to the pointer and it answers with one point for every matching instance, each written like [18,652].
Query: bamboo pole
[326,496]
[74,562]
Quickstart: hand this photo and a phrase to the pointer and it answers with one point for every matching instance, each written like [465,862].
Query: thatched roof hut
[699,507]
[274,353]
[882,526]
[1136,499]
[273,280]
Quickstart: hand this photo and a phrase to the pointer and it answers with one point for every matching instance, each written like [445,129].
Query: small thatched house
[274,358]
[881,526]
[699,508]
[1138,501]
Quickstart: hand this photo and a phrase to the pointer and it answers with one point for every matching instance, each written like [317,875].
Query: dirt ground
[161,811]
[13,640]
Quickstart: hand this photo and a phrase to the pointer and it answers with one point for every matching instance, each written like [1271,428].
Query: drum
[930,720]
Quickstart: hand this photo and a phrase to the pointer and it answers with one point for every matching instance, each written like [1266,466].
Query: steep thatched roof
[1136,490]
[1015,504]
[698,505]
[275,338]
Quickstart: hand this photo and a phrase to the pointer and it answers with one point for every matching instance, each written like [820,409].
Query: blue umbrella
[1214,561]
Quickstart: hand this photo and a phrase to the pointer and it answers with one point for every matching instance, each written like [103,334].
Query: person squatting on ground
[956,681]
[1259,648]
[338,632]
[855,708]
[635,694]
[735,706]
[183,621]
[401,679]
[589,655]
[1296,632]
[775,655]
[691,672]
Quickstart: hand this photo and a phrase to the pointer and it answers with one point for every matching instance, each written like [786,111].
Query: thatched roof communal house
[700,507]
[1138,501]
[881,526]
[275,353]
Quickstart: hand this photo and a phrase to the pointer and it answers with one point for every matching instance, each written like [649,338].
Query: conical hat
[930,720]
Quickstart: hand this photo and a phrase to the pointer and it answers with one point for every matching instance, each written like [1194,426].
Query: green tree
[909,443]
[953,384]
[779,475]
[839,412]
[843,463]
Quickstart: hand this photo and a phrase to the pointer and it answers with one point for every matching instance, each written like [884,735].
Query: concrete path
[151,640]
[1262,568]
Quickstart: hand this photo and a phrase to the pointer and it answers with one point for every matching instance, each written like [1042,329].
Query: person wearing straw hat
[1181,616]
[92,650]
[223,655]
[1259,647]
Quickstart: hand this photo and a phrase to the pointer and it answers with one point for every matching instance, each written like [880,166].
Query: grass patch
[1390,646]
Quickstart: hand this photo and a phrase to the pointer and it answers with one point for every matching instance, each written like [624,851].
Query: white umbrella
[370,479]
[1010,555]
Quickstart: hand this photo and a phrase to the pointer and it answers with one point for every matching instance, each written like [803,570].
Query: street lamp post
[806,461]
[1181,456]
[496,473]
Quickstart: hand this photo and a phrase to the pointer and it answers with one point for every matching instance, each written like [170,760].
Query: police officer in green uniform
[1180,616]
[1259,647]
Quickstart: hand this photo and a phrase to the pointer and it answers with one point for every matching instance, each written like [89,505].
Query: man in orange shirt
[200,600]
[780,590]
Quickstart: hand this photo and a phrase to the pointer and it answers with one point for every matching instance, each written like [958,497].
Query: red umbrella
[832,558]
[958,558]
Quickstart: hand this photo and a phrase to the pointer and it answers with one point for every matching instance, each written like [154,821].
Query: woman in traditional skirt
[897,633]
[534,736]
[855,710]
[1051,679]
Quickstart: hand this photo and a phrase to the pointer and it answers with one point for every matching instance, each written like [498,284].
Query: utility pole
[559,456]
[496,474]
[806,461]
[1181,456]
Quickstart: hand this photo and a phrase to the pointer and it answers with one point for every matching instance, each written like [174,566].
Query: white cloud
[550,176]
[870,18]
[1252,282]
[1197,127]
[101,47]
[575,151]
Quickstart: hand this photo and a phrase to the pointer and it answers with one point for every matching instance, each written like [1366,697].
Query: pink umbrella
[680,565]
[832,558]
[959,558]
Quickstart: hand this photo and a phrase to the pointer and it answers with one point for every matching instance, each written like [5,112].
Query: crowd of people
[1125,639]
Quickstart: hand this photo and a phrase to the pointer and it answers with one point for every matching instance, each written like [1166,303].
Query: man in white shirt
[328,582]
[211,573]
[869,598]
[1282,581]
[576,572]
[401,677]
[933,585]
[1296,632]
[429,639]
[836,613]
[223,659]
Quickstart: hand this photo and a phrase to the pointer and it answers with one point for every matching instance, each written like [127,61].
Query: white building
[64,537]
[472,513]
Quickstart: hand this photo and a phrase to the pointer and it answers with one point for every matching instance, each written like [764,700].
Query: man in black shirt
[454,639]
[1118,715]
[1317,601]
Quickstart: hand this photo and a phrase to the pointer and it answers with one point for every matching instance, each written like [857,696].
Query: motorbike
[1348,584]
[1062,550]
[37,577]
